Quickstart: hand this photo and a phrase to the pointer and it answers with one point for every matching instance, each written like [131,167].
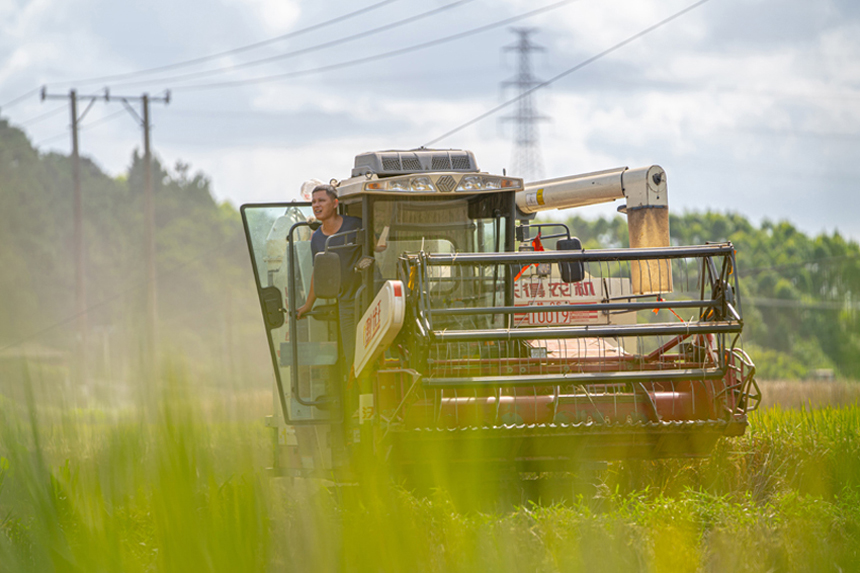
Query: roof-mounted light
[487,183]
[420,184]
[444,183]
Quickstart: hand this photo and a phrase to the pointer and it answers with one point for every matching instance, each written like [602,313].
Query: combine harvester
[479,345]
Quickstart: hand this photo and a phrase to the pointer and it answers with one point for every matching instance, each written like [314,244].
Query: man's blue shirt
[349,257]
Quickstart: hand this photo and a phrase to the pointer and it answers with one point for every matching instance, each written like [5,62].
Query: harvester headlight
[471,183]
[487,183]
[424,184]
[492,183]
[421,185]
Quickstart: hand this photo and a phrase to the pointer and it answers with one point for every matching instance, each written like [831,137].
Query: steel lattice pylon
[526,161]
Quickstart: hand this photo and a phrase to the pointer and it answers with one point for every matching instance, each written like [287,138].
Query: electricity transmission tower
[526,160]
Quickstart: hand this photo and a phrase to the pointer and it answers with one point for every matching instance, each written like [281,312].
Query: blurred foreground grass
[180,485]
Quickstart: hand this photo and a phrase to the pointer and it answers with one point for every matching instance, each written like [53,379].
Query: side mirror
[327,275]
[274,307]
[571,272]
[520,233]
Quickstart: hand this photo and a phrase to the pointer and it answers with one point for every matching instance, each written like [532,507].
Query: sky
[751,106]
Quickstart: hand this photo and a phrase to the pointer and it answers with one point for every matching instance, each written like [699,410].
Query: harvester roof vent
[441,162]
[387,163]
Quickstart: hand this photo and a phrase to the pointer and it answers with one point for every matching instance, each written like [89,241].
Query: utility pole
[526,161]
[78,230]
[149,218]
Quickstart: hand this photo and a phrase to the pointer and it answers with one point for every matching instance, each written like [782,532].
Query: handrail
[652,329]
[575,307]
[596,255]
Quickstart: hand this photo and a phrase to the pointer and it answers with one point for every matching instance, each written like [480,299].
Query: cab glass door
[303,352]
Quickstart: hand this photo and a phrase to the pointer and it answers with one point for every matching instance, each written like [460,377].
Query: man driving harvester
[324,204]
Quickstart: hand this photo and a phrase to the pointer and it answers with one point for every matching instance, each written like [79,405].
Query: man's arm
[309,303]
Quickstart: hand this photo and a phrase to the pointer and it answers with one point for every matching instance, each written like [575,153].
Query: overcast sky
[751,106]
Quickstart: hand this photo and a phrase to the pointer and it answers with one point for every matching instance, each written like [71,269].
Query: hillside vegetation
[800,292]
[206,299]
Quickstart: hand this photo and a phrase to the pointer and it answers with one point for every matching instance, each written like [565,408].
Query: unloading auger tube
[647,211]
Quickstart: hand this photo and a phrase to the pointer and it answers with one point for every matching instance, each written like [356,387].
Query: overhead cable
[567,72]
[49,139]
[42,116]
[238,50]
[368,59]
[85,126]
[19,99]
[302,51]
[105,119]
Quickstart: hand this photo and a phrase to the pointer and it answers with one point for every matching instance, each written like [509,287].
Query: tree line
[207,305]
[800,293]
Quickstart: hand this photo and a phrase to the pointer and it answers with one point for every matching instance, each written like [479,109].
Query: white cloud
[840,54]
[273,16]
[725,89]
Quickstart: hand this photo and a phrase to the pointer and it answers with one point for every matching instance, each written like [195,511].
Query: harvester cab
[487,339]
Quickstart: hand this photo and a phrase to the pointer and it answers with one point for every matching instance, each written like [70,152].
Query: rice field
[179,484]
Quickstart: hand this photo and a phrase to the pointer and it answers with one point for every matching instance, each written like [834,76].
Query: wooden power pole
[149,218]
[78,231]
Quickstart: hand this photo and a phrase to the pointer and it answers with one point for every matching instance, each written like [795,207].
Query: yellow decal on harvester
[365,408]
[540,196]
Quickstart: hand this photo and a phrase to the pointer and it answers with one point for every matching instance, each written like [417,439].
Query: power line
[627,84]
[40,117]
[238,50]
[202,59]
[49,139]
[365,60]
[567,72]
[307,50]
[104,119]
[19,99]
[84,127]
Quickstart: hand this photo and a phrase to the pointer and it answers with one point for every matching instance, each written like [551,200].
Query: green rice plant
[180,485]
[132,494]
